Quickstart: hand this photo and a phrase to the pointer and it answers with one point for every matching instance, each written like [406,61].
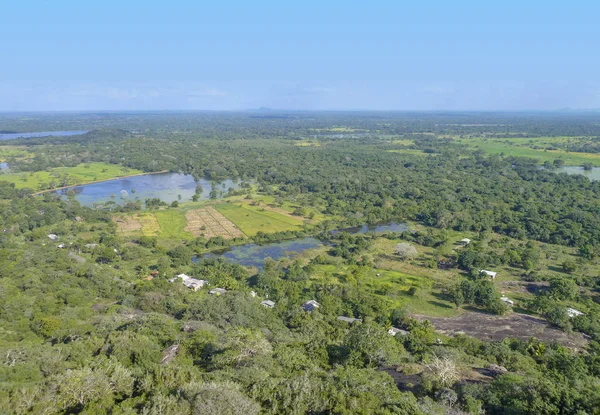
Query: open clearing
[227,220]
[518,148]
[491,327]
[66,176]
[127,224]
[394,287]
[208,222]
[143,223]
[251,220]
[14,151]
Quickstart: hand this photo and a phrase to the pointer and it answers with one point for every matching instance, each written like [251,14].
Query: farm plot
[146,224]
[126,224]
[252,221]
[208,222]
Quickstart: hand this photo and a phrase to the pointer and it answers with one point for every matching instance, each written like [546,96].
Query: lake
[165,186]
[254,255]
[11,136]
[593,174]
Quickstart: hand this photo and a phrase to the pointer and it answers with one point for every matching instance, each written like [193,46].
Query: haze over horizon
[69,56]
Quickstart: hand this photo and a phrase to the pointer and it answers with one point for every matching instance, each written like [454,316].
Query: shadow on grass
[441,296]
[440,305]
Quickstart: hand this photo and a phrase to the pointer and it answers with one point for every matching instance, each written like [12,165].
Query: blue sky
[227,55]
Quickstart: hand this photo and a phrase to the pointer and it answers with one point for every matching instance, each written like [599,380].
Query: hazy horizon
[464,56]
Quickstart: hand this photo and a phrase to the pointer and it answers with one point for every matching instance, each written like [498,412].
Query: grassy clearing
[172,224]
[307,144]
[63,176]
[514,147]
[409,151]
[394,287]
[251,220]
[403,142]
[289,207]
[150,224]
[14,151]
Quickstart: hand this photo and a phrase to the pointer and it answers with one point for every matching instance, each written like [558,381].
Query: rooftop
[349,319]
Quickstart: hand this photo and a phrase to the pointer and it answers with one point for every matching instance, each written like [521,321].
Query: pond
[11,136]
[168,187]
[254,255]
[4,166]
[593,174]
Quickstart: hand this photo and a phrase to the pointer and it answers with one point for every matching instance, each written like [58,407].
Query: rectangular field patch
[252,220]
[146,224]
[208,222]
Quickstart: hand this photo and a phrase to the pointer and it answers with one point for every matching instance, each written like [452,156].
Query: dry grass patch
[146,223]
[208,222]
[127,224]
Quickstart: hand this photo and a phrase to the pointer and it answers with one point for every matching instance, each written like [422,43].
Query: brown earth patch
[127,224]
[208,222]
[489,327]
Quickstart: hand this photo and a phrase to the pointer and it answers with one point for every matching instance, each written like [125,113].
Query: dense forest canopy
[91,322]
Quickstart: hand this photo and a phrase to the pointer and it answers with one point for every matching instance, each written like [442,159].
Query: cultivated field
[252,220]
[144,223]
[209,222]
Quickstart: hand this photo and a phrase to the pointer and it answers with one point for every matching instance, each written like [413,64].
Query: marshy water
[593,174]
[254,255]
[168,187]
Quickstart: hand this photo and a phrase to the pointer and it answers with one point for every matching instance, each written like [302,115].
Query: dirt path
[491,327]
[97,181]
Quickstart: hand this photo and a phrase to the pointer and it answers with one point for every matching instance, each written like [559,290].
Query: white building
[182,277]
[393,331]
[507,301]
[268,303]
[573,313]
[349,319]
[53,236]
[194,284]
[217,291]
[490,274]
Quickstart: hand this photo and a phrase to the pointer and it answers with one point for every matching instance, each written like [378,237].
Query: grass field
[409,151]
[14,151]
[307,144]
[522,147]
[287,207]
[251,220]
[392,286]
[172,224]
[61,176]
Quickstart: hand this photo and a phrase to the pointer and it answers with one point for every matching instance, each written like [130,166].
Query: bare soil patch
[208,222]
[490,327]
[127,224]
